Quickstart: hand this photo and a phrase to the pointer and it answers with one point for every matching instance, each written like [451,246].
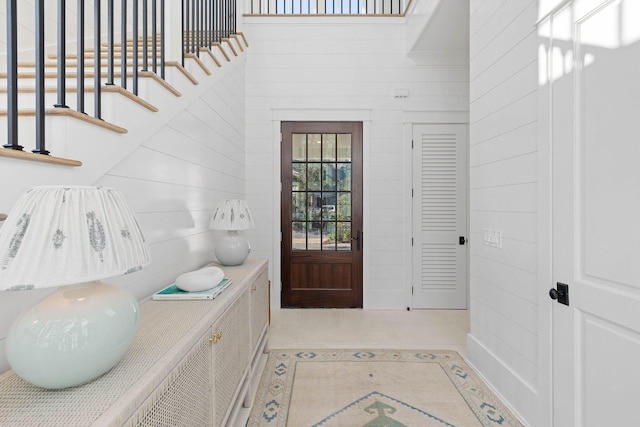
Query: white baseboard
[516,393]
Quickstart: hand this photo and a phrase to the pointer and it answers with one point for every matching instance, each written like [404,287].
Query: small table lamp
[57,236]
[232,215]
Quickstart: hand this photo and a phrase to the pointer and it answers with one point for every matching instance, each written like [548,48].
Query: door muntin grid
[321,191]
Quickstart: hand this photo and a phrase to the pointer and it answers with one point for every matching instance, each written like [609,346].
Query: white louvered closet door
[439,216]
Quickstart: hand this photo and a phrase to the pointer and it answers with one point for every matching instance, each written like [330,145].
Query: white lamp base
[73,336]
[232,248]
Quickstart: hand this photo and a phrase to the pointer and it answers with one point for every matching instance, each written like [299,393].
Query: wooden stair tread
[25,155]
[224,52]
[71,113]
[91,89]
[199,62]
[70,75]
[212,56]
[104,56]
[163,83]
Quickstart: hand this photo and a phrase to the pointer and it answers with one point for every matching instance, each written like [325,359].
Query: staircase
[86,131]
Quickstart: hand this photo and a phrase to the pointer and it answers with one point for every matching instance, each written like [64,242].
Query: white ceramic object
[73,336]
[232,248]
[200,280]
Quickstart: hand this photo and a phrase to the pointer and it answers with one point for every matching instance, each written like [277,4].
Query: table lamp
[232,215]
[70,237]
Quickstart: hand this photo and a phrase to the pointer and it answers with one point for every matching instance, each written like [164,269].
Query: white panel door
[595,80]
[439,216]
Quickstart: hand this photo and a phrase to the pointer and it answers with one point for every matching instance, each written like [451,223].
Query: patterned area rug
[374,388]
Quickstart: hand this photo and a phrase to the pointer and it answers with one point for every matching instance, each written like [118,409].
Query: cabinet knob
[216,337]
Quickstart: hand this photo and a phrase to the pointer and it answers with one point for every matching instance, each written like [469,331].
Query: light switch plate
[492,238]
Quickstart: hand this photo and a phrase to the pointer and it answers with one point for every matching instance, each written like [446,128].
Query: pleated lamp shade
[232,214]
[58,235]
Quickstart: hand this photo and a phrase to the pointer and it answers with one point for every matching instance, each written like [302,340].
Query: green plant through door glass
[321,191]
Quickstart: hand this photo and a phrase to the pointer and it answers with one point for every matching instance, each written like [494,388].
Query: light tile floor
[367,329]
[355,328]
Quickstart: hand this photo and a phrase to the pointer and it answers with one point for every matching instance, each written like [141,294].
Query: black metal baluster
[207,24]
[223,19]
[12,76]
[199,32]
[110,42]
[145,48]
[162,35]
[62,91]
[206,11]
[216,21]
[223,14]
[40,134]
[134,48]
[80,58]
[192,35]
[202,24]
[97,62]
[233,16]
[123,42]
[154,37]
[227,14]
[185,28]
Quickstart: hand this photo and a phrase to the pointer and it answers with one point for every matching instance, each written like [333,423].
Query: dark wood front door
[322,214]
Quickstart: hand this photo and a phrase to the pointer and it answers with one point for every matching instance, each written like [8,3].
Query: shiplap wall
[172,180]
[503,343]
[344,69]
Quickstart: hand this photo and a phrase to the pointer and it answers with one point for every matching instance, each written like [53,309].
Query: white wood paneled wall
[344,68]
[172,180]
[503,343]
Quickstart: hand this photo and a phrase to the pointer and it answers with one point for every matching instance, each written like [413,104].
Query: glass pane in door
[321,192]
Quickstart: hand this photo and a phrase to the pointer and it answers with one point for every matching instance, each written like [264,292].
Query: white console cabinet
[193,363]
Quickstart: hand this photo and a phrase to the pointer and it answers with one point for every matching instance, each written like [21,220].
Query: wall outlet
[492,238]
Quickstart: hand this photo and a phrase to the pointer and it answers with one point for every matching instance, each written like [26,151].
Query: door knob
[560,293]
[357,239]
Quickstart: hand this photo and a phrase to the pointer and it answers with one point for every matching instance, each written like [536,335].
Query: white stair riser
[55,134]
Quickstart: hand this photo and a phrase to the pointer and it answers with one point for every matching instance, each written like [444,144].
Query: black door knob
[560,293]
